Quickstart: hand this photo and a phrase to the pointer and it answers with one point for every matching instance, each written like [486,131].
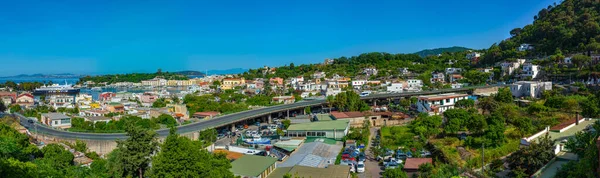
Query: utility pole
[483,157]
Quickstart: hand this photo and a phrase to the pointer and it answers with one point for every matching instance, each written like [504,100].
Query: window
[65,121]
[320,134]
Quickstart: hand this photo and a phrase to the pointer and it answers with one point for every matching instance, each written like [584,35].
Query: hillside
[566,28]
[436,51]
[191,73]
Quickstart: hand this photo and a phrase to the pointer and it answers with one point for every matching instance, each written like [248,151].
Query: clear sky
[99,37]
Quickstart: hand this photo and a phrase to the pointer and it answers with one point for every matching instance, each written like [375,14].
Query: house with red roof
[25,100]
[411,165]
[356,118]
[437,104]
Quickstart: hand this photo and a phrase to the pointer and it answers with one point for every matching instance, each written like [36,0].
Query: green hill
[566,28]
[436,51]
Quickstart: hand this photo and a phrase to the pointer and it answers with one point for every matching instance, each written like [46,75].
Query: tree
[504,95]
[286,123]
[533,157]
[456,120]
[181,157]
[476,123]
[134,153]
[14,108]
[307,110]
[425,170]
[208,136]
[580,60]
[394,173]
[426,126]
[80,146]
[495,135]
[167,120]
[524,125]
[487,104]
[159,103]
[476,77]
[2,107]
[465,103]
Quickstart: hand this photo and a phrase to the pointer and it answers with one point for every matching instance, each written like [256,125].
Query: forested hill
[436,51]
[133,77]
[566,28]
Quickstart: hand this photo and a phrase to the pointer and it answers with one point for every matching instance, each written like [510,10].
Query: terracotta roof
[354,114]
[414,163]
[25,94]
[339,115]
[564,124]
[230,155]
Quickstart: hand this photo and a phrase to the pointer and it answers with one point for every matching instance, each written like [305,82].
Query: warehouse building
[335,129]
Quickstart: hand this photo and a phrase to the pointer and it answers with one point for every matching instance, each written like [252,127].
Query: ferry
[56,89]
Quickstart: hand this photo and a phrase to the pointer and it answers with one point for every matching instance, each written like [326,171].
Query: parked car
[425,153]
[352,169]
[362,157]
[360,167]
[400,154]
[392,165]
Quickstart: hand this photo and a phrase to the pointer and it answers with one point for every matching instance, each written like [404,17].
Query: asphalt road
[221,120]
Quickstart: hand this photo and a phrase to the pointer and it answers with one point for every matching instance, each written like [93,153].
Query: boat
[96,89]
[56,89]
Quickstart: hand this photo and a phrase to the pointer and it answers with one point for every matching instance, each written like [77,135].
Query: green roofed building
[332,171]
[253,166]
[334,129]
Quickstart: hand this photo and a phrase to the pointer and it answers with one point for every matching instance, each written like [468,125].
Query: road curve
[221,120]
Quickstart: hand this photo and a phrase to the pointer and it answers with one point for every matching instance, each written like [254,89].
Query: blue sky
[99,37]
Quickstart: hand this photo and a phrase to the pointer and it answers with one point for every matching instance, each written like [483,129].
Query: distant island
[436,51]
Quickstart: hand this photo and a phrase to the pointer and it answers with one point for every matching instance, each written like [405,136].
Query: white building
[56,120]
[404,71]
[532,89]
[357,84]
[370,71]
[530,70]
[509,67]
[414,83]
[437,77]
[396,87]
[437,104]
[473,56]
[333,91]
[451,70]
[318,75]
[489,70]
[525,47]
[297,80]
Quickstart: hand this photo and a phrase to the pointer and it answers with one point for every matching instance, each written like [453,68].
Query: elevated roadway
[220,121]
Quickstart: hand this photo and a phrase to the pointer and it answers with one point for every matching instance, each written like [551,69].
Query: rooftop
[321,125]
[414,163]
[251,165]
[230,154]
[441,96]
[333,171]
[55,115]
